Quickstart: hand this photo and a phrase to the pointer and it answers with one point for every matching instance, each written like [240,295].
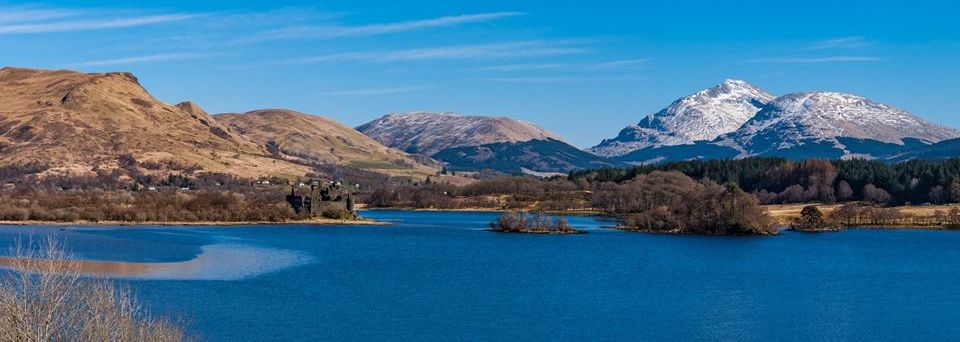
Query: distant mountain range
[798,126]
[481,142]
[76,123]
[731,120]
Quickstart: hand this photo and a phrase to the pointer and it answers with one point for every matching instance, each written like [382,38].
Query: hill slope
[311,138]
[545,156]
[702,116]
[429,133]
[942,150]
[75,122]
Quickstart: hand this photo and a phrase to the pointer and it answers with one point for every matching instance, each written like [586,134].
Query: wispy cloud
[145,59]
[814,60]
[501,50]
[92,24]
[329,32]
[375,91]
[269,19]
[21,14]
[840,43]
[560,79]
[610,65]
[621,64]
[543,79]
[524,67]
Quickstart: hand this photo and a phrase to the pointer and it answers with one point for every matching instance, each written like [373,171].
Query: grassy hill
[76,122]
[315,139]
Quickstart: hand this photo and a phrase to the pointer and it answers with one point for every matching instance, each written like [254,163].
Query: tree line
[247,205]
[672,196]
[776,180]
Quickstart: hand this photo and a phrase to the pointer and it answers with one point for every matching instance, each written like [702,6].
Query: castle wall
[315,201]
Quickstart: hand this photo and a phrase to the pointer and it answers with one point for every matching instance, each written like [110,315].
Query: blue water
[439,276]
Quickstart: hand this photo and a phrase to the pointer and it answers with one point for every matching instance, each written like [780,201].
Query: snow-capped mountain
[702,116]
[428,133]
[801,123]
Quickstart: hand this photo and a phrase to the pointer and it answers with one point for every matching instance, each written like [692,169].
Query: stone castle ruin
[318,200]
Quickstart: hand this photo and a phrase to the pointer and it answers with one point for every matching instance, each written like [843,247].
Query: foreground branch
[44,297]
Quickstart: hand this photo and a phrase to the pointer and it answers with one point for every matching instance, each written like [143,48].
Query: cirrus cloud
[163,57]
[814,60]
[515,49]
[332,31]
[91,24]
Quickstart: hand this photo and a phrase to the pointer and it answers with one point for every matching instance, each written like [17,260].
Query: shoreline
[901,227]
[782,215]
[588,212]
[779,212]
[537,232]
[313,222]
[677,232]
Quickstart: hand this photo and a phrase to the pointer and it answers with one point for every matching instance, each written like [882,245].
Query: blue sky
[584,69]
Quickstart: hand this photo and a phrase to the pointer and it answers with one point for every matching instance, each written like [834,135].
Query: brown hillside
[312,138]
[75,121]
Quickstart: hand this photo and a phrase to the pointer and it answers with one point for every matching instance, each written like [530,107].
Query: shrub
[337,213]
[526,222]
[811,219]
[953,219]
[45,298]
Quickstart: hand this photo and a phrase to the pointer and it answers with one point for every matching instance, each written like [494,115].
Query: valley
[69,139]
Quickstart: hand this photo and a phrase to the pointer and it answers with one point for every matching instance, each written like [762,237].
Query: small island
[532,223]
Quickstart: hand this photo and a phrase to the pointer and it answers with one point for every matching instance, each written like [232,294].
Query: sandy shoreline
[214,262]
[107,268]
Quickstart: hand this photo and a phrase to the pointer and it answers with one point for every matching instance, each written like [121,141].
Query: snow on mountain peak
[704,115]
[794,119]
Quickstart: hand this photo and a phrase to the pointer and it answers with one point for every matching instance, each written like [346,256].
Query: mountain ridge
[540,156]
[310,138]
[701,116]
[427,133]
[81,122]
[797,119]
[78,122]
[796,125]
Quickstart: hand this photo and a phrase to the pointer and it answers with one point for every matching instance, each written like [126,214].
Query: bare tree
[45,298]
[938,195]
[844,191]
[874,194]
[955,190]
